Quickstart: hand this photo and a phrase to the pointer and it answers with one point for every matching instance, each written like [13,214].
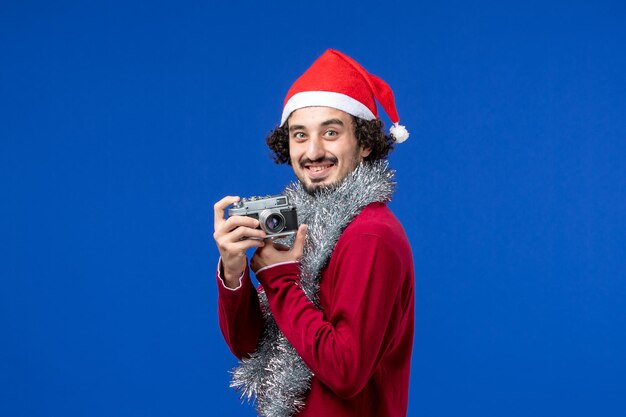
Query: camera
[276,216]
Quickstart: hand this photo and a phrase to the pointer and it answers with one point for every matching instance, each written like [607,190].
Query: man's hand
[232,239]
[273,253]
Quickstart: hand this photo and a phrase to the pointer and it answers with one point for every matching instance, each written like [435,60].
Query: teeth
[319,168]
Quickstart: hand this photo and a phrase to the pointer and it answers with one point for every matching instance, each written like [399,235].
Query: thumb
[298,244]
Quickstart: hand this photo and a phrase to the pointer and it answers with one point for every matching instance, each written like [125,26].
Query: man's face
[322,146]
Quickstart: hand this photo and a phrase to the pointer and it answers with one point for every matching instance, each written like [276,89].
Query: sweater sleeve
[239,313]
[341,346]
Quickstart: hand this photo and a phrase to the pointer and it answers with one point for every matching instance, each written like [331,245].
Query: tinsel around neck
[275,375]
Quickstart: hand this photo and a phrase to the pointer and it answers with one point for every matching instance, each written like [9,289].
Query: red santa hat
[338,81]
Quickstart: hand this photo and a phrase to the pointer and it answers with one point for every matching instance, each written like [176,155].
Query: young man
[329,332]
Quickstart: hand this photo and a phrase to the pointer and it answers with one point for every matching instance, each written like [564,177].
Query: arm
[239,312]
[344,345]
[240,316]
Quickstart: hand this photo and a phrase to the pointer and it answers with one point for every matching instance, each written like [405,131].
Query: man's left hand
[275,253]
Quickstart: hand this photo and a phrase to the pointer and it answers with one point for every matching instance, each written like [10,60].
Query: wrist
[231,278]
[278,274]
[275,265]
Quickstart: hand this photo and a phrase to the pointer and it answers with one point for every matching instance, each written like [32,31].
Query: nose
[315,148]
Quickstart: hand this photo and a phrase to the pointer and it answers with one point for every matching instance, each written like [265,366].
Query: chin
[315,188]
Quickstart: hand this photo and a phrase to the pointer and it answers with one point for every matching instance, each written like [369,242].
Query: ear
[365,152]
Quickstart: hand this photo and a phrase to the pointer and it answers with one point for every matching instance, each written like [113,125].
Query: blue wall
[121,123]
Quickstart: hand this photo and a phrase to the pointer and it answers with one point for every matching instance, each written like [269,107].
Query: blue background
[121,123]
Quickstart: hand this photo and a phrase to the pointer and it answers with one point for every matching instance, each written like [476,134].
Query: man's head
[324,137]
[330,121]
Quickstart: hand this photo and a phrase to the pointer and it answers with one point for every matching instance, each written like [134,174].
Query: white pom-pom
[399,133]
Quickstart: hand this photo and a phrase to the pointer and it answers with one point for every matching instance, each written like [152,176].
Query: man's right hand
[231,236]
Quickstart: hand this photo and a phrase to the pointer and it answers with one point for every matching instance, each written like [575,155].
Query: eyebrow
[332,122]
[296,127]
[324,123]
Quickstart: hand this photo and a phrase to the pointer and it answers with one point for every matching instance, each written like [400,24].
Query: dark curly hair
[369,134]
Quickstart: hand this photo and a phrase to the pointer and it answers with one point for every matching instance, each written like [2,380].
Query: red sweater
[358,346]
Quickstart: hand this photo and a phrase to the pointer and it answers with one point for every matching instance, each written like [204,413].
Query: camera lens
[274,223]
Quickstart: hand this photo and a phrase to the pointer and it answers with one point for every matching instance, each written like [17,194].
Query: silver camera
[276,216]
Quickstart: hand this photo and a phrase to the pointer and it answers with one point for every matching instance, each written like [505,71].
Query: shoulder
[377,221]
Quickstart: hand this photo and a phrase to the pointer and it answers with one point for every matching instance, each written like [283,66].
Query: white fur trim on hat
[326,99]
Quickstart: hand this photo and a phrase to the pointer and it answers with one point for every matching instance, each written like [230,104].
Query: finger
[234,222]
[225,240]
[244,245]
[298,244]
[245,232]
[218,209]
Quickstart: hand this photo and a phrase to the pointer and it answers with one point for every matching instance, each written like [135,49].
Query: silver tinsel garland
[274,376]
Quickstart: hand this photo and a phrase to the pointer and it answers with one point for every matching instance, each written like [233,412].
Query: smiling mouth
[317,171]
[318,168]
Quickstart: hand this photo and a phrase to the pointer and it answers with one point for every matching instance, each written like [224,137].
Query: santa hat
[338,81]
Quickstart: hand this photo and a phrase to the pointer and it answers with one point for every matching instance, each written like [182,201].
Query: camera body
[276,216]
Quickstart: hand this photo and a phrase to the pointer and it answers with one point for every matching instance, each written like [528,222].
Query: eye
[299,136]
[331,133]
